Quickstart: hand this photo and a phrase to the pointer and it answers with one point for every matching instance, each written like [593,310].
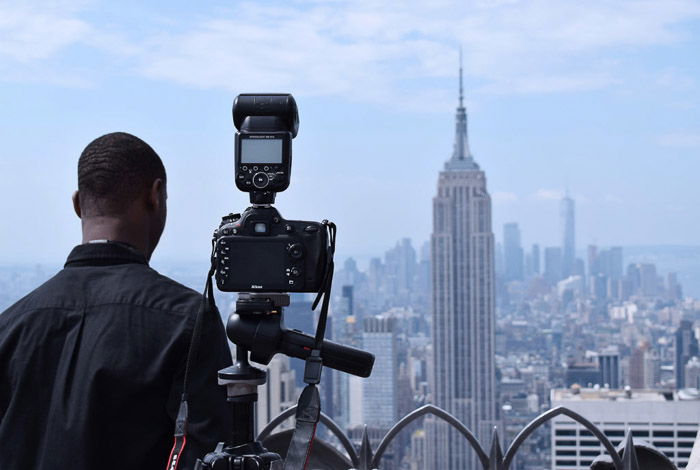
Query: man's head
[121,191]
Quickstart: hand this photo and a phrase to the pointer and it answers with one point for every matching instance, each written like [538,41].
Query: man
[92,362]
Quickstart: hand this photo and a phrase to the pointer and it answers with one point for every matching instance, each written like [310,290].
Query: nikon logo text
[255,286]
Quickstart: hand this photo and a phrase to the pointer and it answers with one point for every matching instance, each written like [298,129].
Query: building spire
[461,94]
[461,156]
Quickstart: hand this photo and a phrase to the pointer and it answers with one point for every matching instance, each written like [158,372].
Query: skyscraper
[380,391]
[536,259]
[611,262]
[568,241]
[400,271]
[344,328]
[686,346]
[674,291]
[609,365]
[513,252]
[278,393]
[648,280]
[463,375]
[552,264]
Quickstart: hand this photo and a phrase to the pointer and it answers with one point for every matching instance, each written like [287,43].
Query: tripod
[242,380]
[257,329]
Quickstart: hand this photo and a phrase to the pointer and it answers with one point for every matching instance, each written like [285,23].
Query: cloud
[30,33]
[549,194]
[35,38]
[368,50]
[613,199]
[676,79]
[687,139]
[503,197]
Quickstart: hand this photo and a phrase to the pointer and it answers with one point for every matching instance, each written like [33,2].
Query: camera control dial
[295,250]
[261,180]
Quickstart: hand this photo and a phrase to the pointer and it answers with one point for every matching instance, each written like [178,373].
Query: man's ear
[156,196]
[76,204]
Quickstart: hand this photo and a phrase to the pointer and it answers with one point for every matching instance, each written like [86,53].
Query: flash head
[266,125]
[255,112]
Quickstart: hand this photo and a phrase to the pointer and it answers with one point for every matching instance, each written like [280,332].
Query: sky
[600,98]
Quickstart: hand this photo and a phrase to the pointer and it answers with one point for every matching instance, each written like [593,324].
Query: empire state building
[463,379]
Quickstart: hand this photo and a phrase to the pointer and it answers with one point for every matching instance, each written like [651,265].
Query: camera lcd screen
[261,150]
[258,261]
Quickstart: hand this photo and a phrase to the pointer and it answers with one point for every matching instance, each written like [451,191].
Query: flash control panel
[259,176]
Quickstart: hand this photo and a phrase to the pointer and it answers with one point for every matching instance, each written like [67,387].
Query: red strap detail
[311,444]
[176,452]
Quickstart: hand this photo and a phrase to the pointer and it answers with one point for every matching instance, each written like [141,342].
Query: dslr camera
[258,250]
[262,256]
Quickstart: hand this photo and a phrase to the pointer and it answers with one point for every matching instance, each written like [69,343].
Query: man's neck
[116,229]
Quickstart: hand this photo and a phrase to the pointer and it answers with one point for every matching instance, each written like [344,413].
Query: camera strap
[309,405]
[180,435]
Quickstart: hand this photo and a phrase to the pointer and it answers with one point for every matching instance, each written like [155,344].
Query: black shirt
[92,363]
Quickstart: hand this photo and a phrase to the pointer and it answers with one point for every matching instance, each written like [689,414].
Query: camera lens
[295,250]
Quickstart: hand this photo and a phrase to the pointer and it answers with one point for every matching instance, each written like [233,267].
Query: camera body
[259,251]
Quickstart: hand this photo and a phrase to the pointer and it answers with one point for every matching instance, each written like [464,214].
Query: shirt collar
[104,253]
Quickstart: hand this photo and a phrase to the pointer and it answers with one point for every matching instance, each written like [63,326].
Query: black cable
[326,286]
[208,303]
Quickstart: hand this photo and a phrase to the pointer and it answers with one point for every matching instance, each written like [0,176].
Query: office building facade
[663,420]
[463,372]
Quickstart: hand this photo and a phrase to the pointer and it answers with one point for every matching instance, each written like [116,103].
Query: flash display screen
[261,150]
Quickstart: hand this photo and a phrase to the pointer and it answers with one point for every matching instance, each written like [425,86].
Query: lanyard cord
[309,404]
[208,304]
[180,435]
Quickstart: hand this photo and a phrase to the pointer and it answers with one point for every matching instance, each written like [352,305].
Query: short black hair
[113,171]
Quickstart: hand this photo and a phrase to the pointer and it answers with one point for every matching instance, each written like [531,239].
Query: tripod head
[258,326]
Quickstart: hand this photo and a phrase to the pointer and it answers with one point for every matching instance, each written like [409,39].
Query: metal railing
[367,459]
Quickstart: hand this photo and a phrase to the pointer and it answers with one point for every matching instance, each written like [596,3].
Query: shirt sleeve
[210,417]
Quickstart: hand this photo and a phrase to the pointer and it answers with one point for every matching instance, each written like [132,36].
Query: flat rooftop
[606,394]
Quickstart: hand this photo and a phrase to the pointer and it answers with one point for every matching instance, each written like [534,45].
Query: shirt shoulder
[135,285]
[169,294]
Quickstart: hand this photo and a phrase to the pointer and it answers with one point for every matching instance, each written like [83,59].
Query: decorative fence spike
[629,456]
[365,451]
[496,454]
